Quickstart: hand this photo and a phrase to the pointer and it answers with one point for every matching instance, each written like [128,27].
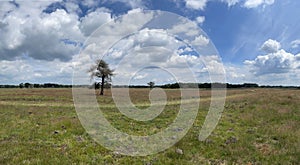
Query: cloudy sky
[255,40]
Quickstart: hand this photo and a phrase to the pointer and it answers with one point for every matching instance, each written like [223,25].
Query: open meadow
[258,126]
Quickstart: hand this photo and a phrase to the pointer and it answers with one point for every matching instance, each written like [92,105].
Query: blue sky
[258,40]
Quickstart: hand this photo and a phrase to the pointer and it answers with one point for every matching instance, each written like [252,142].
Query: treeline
[195,85]
[207,85]
[166,86]
[29,85]
[210,85]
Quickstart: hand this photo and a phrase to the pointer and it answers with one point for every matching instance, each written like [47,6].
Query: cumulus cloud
[271,46]
[5,8]
[200,19]
[196,4]
[278,62]
[93,20]
[145,44]
[45,45]
[154,47]
[39,35]
[150,46]
[256,3]
[275,61]
[190,29]
[58,34]
[153,37]
[114,31]
[200,41]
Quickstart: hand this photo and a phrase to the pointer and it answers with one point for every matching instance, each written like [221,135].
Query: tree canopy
[101,70]
[151,84]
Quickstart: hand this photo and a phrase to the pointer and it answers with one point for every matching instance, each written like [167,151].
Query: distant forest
[166,86]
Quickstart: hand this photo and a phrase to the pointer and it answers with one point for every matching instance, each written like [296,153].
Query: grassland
[258,126]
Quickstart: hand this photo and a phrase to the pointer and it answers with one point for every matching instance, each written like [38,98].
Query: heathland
[258,126]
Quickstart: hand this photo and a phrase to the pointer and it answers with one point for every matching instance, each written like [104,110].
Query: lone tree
[101,70]
[151,84]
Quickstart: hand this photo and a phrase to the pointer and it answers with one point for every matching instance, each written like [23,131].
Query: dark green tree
[151,84]
[101,70]
[21,85]
[27,85]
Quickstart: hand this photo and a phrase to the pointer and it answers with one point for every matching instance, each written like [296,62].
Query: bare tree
[101,70]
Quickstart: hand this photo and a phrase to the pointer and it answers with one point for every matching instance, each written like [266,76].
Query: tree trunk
[102,86]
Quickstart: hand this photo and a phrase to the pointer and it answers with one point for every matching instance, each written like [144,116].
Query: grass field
[258,126]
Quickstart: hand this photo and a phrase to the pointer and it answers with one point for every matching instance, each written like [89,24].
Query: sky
[235,41]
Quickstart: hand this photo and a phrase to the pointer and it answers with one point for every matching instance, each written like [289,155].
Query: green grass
[261,126]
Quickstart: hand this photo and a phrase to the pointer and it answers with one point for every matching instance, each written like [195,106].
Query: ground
[258,126]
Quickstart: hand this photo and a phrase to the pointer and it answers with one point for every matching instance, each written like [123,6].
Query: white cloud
[45,45]
[196,4]
[39,43]
[103,38]
[200,19]
[5,8]
[154,47]
[35,71]
[231,2]
[72,7]
[271,46]
[160,47]
[275,62]
[129,22]
[200,41]
[186,27]
[39,35]
[213,64]
[179,61]
[184,50]
[93,20]
[256,3]
[153,37]
[135,3]
[56,35]
[295,43]
[140,76]
[237,74]
[201,4]
[276,67]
